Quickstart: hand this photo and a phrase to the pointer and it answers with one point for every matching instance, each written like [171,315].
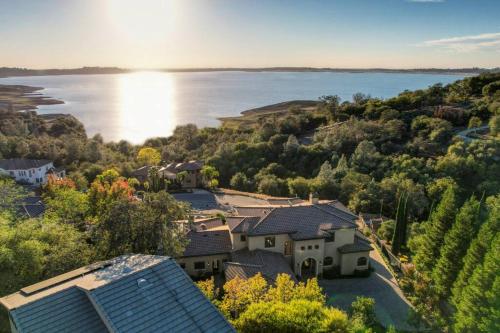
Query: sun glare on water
[146,105]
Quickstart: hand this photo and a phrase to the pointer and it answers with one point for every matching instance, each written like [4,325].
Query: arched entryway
[308,268]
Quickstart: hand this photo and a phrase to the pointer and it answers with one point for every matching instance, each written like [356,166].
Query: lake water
[140,105]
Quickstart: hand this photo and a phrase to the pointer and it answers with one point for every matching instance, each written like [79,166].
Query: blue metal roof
[132,293]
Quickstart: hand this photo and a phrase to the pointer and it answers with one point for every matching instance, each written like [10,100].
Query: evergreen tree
[440,221]
[456,243]
[399,237]
[476,310]
[479,246]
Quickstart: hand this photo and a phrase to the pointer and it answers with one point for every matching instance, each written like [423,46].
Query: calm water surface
[141,105]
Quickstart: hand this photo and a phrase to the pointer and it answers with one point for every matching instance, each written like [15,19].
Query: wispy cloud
[488,41]
[427,1]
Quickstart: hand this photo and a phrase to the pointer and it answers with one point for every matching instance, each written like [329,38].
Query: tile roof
[130,293]
[359,245]
[22,164]
[303,222]
[241,224]
[203,243]
[245,264]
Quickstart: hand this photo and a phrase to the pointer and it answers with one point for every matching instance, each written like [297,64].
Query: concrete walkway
[391,306]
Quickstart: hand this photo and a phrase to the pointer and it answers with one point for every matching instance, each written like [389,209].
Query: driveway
[391,307]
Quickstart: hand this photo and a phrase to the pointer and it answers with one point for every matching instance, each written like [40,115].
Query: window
[316,246]
[243,238]
[362,261]
[331,237]
[328,261]
[303,248]
[203,227]
[309,247]
[270,241]
[199,265]
[183,265]
[288,248]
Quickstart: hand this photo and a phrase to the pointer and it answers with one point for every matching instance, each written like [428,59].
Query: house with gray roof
[191,171]
[30,172]
[302,240]
[131,293]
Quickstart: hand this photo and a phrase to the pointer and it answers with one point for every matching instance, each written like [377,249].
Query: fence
[393,259]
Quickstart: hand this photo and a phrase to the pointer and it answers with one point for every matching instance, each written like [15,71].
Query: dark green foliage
[454,248]
[439,223]
[477,249]
[477,310]
[399,237]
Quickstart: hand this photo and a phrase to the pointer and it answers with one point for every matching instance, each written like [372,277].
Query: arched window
[362,261]
[327,261]
[203,227]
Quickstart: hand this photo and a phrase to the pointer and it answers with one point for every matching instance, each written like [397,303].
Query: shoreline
[20,72]
[22,98]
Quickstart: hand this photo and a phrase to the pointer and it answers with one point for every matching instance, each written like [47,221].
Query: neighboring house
[371,221]
[131,293]
[192,171]
[32,207]
[30,172]
[306,238]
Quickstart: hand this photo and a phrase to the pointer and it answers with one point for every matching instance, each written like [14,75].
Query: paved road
[391,306]
[464,134]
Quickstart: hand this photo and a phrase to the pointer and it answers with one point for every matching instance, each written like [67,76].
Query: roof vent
[142,283]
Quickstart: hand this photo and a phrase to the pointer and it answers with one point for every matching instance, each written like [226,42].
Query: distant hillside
[13,71]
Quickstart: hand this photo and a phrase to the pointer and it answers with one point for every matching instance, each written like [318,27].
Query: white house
[301,240]
[31,172]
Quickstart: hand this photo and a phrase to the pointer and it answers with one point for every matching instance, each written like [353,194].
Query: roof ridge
[330,213]
[243,264]
[263,218]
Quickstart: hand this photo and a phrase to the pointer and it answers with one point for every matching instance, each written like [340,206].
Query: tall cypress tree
[479,246]
[399,236]
[439,223]
[456,243]
[476,309]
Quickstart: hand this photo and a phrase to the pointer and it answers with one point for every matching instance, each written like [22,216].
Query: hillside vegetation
[399,157]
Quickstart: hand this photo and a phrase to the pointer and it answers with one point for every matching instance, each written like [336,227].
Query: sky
[242,33]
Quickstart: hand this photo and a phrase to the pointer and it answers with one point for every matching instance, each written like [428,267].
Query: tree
[474,122]
[148,156]
[399,237]
[478,306]
[299,187]
[69,206]
[325,183]
[240,293]
[494,125]
[477,249]
[11,195]
[439,223]
[300,316]
[386,230]
[366,158]
[240,182]
[363,310]
[210,175]
[292,145]
[454,248]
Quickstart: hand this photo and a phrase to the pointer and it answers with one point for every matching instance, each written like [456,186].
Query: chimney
[313,198]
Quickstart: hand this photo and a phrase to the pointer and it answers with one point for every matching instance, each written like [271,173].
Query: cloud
[488,41]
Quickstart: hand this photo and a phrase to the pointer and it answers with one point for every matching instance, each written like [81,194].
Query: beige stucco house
[303,240]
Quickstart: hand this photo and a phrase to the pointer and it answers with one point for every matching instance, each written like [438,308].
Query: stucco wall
[349,262]
[301,255]
[189,262]
[342,237]
[236,241]
[257,242]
